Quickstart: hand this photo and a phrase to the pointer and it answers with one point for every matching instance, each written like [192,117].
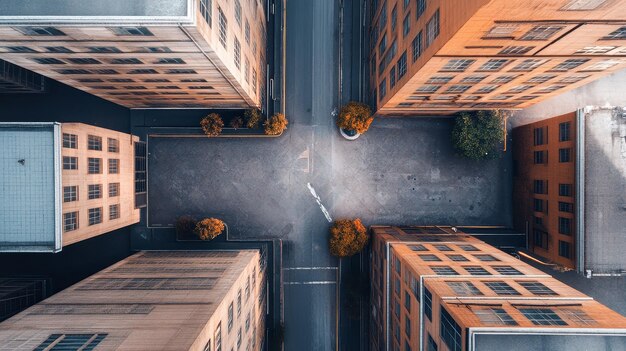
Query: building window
[237,56]
[540,186]
[450,331]
[238,12]
[94,191]
[619,34]
[564,131]
[494,65]
[432,28]
[515,50]
[427,89]
[566,207]
[114,166]
[565,190]
[582,5]
[135,31]
[457,89]
[247,32]
[594,50]
[407,330]
[218,337]
[402,65]
[494,316]
[439,79]
[230,316]
[83,341]
[501,31]
[537,288]
[94,143]
[541,32]
[569,64]
[418,247]
[564,249]
[577,316]
[37,31]
[113,145]
[407,301]
[442,247]
[416,46]
[565,155]
[443,270]
[394,18]
[70,141]
[421,7]
[406,25]
[70,193]
[457,258]
[95,215]
[507,270]
[528,65]
[542,78]
[114,189]
[206,9]
[501,288]
[70,221]
[70,163]
[429,258]
[541,157]
[392,77]
[519,89]
[457,65]
[428,304]
[94,165]
[542,316]
[538,205]
[486,89]
[382,46]
[468,247]
[382,89]
[223,27]
[114,211]
[464,288]
[541,239]
[486,258]
[602,65]
[565,226]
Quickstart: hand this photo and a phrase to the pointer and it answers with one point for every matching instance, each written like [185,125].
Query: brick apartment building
[436,288]
[66,182]
[568,189]
[174,300]
[545,187]
[144,53]
[443,56]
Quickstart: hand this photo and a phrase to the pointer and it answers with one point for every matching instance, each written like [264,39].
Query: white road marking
[319,203]
[319,282]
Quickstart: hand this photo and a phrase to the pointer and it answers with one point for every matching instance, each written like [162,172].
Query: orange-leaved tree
[212,124]
[347,237]
[209,228]
[253,118]
[276,124]
[355,116]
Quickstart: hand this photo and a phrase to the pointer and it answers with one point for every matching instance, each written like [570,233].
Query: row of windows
[541,157]
[70,219]
[526,65]
[541,32]
[70,141]
[53,31]
[93,61]
[540,135]
[458,257]
[94,191]
[231,318]
[541,239]
[467,288]
[443,247]
[94,164]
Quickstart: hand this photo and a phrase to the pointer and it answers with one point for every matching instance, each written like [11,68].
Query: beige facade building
[437,288]
[144,53]
[174,300]
[64,183]
[443,56]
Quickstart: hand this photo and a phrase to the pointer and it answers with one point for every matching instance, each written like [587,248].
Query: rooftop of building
[164,299]
[29,196]
[93,8]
